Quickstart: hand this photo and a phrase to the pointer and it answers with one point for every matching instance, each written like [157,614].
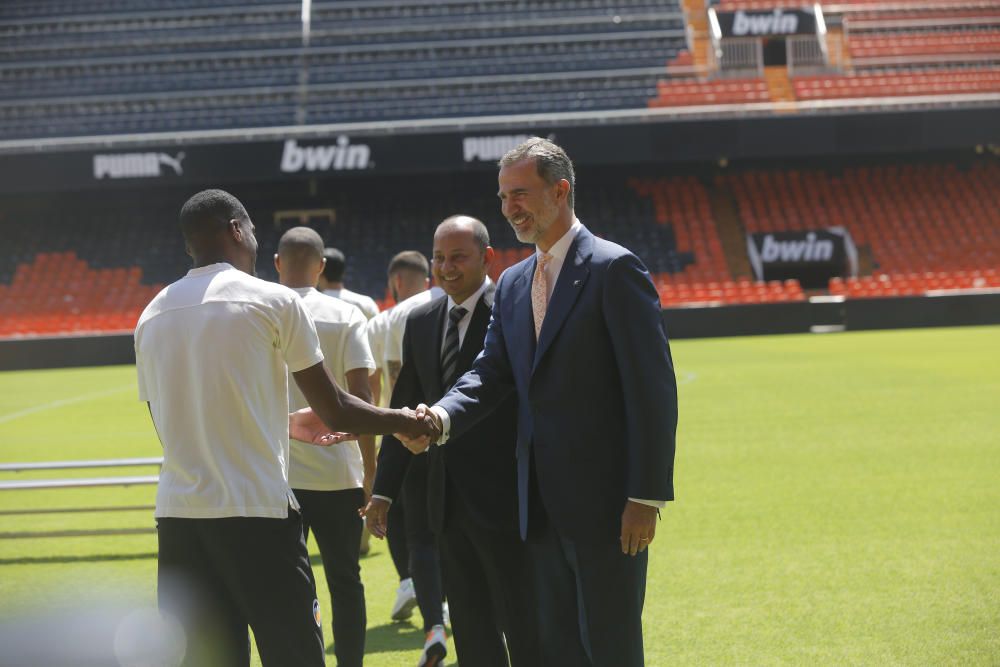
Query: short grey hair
[551,161]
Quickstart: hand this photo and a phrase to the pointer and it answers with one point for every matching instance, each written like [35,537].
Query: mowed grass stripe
[837,503]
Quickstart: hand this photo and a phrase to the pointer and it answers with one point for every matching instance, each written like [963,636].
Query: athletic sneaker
[406,601]
[445,614]
[435,648]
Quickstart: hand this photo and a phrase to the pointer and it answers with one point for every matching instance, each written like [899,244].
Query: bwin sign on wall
[340,156]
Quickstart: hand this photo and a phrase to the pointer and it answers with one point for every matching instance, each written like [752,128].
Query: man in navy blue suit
[577,335]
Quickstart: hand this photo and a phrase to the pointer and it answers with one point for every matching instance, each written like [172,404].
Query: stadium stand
[82,263]
[68,69]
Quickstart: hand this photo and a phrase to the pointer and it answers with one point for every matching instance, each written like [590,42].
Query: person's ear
[489,255]
[562,189]
[235,230]
[277,263]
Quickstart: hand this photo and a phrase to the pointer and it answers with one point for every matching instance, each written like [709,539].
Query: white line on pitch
[65,401]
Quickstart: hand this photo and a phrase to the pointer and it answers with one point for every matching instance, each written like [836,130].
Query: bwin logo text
[337,157]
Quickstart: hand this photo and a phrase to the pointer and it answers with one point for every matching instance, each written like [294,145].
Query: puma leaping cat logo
[172,162]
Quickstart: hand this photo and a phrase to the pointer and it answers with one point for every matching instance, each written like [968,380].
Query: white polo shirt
[341,329]
[365,303]
[375,331]
[397,322]
[213,351]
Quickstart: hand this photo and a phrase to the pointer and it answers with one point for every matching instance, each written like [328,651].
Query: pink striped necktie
[540,292]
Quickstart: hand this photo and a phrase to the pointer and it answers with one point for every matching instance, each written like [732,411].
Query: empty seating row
[251,35]
[726,292]
[898,83]
[59,293]
[914,284]
[29,9]
[337,64]
[912,44]
[680,92]
[340,103]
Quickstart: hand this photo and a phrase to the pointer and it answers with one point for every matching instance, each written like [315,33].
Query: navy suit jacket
[479,469]
[596,395]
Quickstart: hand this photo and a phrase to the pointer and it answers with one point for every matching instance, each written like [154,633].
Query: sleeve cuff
[445,423]
[385,498]
[653,503]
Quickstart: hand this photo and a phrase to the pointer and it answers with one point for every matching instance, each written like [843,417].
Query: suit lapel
[430,354]
[472,345]
[572,277]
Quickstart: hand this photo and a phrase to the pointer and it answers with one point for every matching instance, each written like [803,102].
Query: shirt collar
[470,303]
[303,291]
[210,268]
[560,248]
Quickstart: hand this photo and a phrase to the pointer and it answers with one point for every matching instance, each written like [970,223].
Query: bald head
[300,257]
[467,224]
[462,256]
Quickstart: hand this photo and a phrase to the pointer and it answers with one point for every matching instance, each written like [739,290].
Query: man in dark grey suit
[467,489]
[577,335]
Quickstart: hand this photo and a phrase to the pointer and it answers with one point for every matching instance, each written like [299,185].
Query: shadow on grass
[316,560]
[391,637]
[90,558]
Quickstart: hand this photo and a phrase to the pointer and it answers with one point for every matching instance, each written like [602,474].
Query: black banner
[811,257]
[372,155]
[778,22]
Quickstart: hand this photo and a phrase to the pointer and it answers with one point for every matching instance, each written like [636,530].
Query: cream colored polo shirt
[213,352]
[341,329]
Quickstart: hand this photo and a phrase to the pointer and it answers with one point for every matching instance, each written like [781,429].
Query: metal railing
[77,482]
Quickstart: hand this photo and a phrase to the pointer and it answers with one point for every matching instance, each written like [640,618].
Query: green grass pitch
[838,503]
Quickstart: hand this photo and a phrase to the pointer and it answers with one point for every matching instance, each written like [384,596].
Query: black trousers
[396,538]
[217,576]
[425,562]
[487,578]
[332,516]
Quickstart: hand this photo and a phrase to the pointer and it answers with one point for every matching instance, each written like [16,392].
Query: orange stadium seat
[60,294]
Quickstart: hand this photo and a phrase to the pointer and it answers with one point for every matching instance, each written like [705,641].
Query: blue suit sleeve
[642,353]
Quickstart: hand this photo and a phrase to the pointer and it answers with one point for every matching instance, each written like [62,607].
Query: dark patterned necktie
[449,354]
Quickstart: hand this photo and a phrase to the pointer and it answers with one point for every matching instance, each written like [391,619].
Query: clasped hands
[422,427]
[416,441]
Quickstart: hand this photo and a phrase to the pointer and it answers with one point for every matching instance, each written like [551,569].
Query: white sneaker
[445,614]
[406,601]
[435,648]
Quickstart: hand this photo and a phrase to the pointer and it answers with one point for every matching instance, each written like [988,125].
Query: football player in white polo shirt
[213,353]
[331,283]
[332,483]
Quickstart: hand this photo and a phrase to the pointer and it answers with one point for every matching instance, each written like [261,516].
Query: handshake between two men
[418,429]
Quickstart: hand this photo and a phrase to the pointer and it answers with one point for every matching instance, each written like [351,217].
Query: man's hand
[367,484]
[426,429]
[305,426]
[376,516]
[638,527]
